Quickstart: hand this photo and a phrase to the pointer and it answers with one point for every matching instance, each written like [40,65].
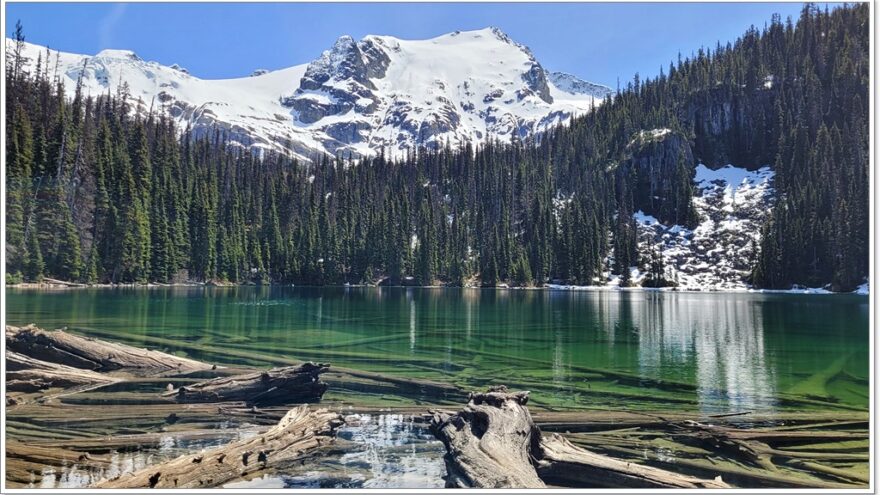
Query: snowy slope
[718,253]
[358,96]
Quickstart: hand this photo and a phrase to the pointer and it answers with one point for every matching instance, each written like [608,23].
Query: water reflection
[735,351]
[725,343]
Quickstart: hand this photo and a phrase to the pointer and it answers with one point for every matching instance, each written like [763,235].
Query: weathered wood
[562,463]
[26,463]
[298,433]
[288,385]
[489,443]
[26,374]
[493,443]
[71,350]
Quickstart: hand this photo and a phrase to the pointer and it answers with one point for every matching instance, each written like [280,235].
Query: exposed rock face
[661,161]
[536,78]
[375,58]
[343,61]
[732,129]
[339,82]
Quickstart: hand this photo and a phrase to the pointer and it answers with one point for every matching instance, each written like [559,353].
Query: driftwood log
[26,374]
[298,433]
[71,350]
[288,385]
[493,443]
[564,464]
[489,443]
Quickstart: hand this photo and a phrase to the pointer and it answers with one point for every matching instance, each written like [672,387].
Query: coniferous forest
[99,193]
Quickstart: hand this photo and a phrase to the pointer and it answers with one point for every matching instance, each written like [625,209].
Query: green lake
[711,353]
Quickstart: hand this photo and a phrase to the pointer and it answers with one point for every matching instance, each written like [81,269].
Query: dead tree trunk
[489,443]
[298,433]
[289,385]
[80,352]
[26,374]
[564,464]
[493,443]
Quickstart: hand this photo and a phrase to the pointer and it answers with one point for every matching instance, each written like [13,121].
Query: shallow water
[703,352]
[386,451]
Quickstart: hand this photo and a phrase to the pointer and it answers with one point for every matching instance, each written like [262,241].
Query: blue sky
[596,41]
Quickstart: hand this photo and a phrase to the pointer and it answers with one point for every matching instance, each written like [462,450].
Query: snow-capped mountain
[357,97]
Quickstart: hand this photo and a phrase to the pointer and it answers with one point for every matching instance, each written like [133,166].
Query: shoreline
[862,290]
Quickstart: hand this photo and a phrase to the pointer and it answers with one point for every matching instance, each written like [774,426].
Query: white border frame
[872,293]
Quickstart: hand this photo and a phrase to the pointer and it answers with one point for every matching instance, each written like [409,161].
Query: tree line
[101,190]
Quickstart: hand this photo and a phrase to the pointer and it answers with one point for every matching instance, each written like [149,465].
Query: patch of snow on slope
[576,86]
[732,204]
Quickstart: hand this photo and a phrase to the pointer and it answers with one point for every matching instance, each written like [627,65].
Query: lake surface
[712,353]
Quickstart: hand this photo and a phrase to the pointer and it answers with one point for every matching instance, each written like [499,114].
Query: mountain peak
[120,54]
[343,44]
[501,35]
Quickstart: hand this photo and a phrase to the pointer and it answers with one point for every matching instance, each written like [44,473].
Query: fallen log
[71,350]
[26,374]
[493,443]
[489,443]
[26,464]
[562,463]
[298,433]
[288,385]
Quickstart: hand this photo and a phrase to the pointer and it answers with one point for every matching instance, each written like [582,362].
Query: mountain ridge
[357,98]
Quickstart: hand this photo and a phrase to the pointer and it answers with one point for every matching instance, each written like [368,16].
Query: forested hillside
[97,192]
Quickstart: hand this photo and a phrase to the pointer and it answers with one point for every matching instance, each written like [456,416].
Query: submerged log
[71,350]
[564,464]
[288,385]
[26,374]
[489,443]
[299,432]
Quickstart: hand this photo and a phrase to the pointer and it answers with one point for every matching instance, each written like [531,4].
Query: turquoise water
[707,352]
